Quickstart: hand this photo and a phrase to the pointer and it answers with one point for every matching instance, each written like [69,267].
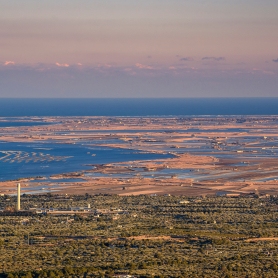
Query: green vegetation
[144,236]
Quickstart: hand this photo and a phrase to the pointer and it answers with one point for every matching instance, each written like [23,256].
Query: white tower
[18,197]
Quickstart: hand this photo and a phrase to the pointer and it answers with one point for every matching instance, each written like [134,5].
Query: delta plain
[139,196]
[191,156]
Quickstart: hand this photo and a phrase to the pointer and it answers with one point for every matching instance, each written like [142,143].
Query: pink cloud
[9,63]
[62,65]
[140,66]
[105,66]
[129,71]
[267,72]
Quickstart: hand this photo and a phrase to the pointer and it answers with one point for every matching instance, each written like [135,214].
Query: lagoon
[21,160]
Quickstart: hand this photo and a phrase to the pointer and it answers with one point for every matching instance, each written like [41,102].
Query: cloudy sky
[146,48]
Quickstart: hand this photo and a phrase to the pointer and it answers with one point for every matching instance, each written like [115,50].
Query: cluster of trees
[158,236]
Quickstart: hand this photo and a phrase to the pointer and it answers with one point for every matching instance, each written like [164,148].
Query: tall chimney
[18,197]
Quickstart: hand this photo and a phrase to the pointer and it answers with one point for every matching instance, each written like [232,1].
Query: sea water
[138,107]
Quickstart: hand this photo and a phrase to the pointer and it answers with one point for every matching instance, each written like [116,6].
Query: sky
[146,48]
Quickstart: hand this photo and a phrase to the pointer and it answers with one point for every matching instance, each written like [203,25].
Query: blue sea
[138,107]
